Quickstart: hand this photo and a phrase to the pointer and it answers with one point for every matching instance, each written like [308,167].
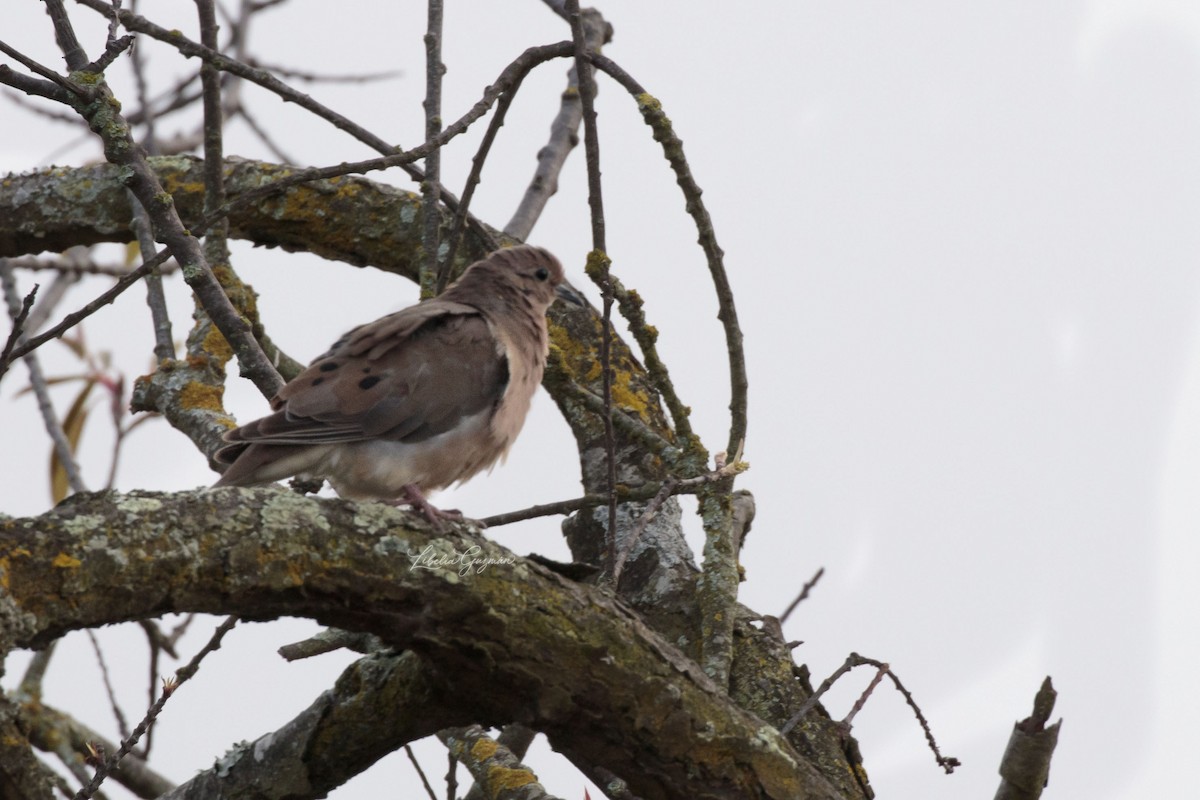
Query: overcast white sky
[963,238]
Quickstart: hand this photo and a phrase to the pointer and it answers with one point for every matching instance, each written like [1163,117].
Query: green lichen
[500,778]
[200,396]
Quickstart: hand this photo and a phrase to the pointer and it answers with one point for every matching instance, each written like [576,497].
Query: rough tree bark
[625,669]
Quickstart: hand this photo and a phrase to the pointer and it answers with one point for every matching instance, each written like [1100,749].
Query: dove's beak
[565,292]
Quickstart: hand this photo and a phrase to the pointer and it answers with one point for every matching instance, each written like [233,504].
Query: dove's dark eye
[542,273]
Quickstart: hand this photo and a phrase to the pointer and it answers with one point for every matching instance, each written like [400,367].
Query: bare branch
[64,34]
[32,86]
[164,341]
[412,757]
[318,77]
[493,766]
[181,676]
[800,598]
[73,89]
[82,266]
[658,121]
[947,763]
[62,446]
[74,318]
[598,261]
[564,132]
[18,327]
[477,161]
[673,487]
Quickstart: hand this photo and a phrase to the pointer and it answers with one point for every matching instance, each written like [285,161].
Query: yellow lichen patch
[628,399]
[483,750]
[196,395]
[648,102]
[175,182]
[64,561]
[348,188]
[506,778]
[216,344]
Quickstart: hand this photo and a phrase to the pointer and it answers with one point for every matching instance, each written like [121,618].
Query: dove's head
[514,275]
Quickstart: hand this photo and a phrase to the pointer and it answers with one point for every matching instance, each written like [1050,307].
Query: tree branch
[494,767]
[1025,768]
[266,553]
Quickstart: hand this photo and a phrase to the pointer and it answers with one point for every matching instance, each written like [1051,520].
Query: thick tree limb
[364,223]
[102,558]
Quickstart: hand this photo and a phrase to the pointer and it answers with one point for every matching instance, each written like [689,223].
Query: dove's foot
[437,516]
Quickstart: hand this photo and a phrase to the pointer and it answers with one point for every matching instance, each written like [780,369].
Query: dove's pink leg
[413,496]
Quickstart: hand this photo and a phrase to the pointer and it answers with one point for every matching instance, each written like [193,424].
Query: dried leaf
[76,345]
[83,376]
[73,428]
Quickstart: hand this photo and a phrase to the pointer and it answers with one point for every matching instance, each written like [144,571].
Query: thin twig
[76,317]
[264,79]
[684,486]
[808,705]
[658,121]
[86,266]
[628,423]
[43,112]
[169,688]
[317,77]
[417,764]
[598,259]
[330,639]
[268,141]
[564,133]
[18,323]
[848,720]
[947,763]
[509,77]
[122,724]
[113,26]
[105,119]
[434,69]
[112,50]
[477,162]
[51,296]
[44,71]
[630,305]
[156,299]
[150,142]
[216,243]
[451,776]
[37,379]
[800,598]
[64,34]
